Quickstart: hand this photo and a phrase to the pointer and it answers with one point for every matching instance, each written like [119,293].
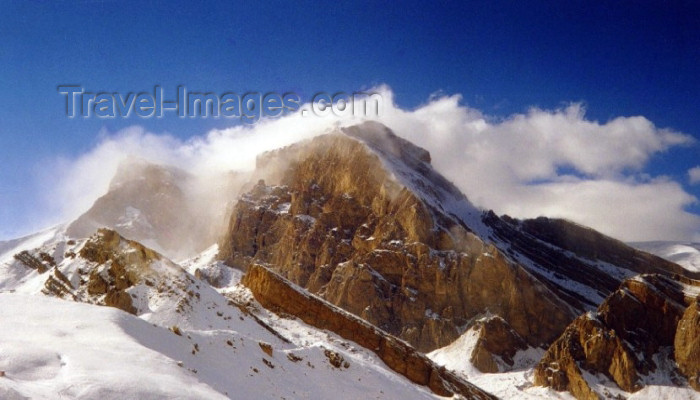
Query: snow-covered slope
[51,348]
[516,384]
[9,248]
[685,254]
[220,344]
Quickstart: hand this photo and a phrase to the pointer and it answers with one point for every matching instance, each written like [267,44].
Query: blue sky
[617,58]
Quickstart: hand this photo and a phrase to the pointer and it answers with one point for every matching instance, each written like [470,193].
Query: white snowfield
[685,254]
[48,236]
[52,348]
[516,384]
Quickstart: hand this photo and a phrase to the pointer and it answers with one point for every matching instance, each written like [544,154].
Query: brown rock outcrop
[587,344]
[121,300]
[117,270]
[108,269]
[32,261]
[360,218]
[686,346]
[280,295]
[619,340]
[496,346]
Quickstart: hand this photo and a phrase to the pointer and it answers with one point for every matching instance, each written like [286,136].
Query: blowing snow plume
[166,208]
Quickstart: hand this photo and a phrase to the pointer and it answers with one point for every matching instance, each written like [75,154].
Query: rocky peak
[364,221]
[496,346]
[649,318]
[145,202]
[382,139]
[161,207]
[111,270]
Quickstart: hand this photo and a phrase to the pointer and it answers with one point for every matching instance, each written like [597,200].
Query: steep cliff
[360,218]
[686,345]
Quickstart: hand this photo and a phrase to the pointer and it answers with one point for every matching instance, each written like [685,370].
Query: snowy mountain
[167,209]
[360,218]
[344,266]
[685,254]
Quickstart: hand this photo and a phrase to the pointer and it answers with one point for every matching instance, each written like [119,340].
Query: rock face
[496,345]
[643,319]
[354,232]
[163,207]
[686,346]
[121,270]
[581,265]
[361,219]
[108,269]
[280,295]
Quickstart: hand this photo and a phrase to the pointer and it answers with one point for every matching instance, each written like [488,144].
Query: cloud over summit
[543,162]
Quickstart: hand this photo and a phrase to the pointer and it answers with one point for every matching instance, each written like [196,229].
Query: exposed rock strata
[278,294]
[108,269]
[643,318]
[360,218]
[580,264]
[119,269]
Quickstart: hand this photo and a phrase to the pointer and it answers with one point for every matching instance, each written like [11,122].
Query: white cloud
[626,210]
[72,186]
[694,175]
[513,166]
